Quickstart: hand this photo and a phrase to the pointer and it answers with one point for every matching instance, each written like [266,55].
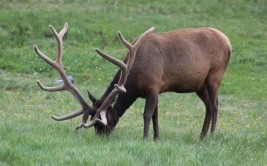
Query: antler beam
[67,85]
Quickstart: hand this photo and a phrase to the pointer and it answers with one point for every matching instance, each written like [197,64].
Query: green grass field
[28,136]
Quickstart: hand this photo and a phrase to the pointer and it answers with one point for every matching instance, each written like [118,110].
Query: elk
[181,61]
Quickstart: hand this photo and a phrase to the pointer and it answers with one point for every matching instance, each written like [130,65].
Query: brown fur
[187,60]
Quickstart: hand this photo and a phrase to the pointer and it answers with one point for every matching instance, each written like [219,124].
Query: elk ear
[91,97]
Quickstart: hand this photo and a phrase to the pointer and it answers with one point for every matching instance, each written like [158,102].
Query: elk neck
[123,101]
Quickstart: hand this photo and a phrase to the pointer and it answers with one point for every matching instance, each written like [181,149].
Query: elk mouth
[106,129]
[103,130]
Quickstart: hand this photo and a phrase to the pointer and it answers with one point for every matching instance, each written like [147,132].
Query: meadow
[28,136]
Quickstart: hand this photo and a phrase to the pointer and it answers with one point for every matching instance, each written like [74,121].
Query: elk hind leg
[213,87]
[204,96]
[155,123]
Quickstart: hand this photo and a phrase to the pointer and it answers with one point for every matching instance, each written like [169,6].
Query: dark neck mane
[124,101]
[111,86]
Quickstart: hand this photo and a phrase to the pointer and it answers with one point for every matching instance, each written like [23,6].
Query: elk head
[110,114]
[102,116]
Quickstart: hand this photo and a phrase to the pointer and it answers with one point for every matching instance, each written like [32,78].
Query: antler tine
[64,30]
[50,89]
[74,114]
[44,57]
[129,45]
[137,43]
[125,69]
[59,38]
[53,64]
[124,41]
[67,85]
[115,61]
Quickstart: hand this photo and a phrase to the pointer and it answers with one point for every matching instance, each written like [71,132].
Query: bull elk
[182,61]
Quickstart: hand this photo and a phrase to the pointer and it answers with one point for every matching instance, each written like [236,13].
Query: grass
[28,136]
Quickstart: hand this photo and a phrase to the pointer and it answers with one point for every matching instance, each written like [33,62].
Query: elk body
[182,61]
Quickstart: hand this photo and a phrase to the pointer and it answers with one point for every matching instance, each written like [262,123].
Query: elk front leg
[150,106]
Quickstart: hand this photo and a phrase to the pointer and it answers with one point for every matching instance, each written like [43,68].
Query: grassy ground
[28,136]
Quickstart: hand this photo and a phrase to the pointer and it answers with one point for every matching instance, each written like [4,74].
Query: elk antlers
[125,69]
[67,85]
[86,110]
